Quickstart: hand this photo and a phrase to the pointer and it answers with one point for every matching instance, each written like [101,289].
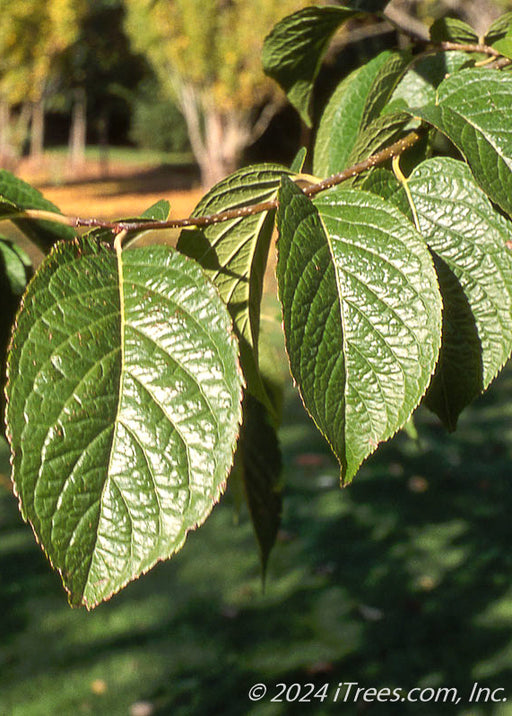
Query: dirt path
[126,192]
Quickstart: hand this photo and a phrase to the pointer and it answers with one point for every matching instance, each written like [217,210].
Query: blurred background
[402,580]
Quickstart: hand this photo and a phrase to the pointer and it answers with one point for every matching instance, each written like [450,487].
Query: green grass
[128,155]
[401,580]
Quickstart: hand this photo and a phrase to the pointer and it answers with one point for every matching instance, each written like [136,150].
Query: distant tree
[207,57]
[100,71]
[33,36]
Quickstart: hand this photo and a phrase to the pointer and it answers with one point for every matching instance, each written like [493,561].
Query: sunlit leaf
[293,51]
[356,102]
[123,409]
[17,195]
[473,109]
[361,312]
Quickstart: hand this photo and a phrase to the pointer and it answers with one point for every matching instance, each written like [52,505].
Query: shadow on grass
[401,580]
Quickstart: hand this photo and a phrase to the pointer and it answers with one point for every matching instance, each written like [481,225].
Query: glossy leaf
[293,51]
[361,312]
[473,110]
[234,254]
[469,239]
[384,183]
[451,29]
[356,102]
[123,409]
[17,195]
[157,212]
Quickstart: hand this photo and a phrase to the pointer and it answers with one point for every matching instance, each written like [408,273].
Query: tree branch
[311,189]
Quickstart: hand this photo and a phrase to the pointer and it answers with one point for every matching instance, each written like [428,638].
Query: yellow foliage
[32,35]
[214,45]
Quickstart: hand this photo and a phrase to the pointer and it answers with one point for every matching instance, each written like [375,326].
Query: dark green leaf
[499,28]
[384,183]
[258,458]
[368,5]
[361,312]
[15,271]
[469,240]
[123,409]
[356,102]
[293,51]
[17,195]
[473,110]
[234,254]
[450,29]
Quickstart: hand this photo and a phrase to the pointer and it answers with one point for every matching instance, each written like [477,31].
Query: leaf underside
[234,255]
[131,446]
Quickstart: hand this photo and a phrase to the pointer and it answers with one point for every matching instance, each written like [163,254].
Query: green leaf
[15,272]
[17,195]
[383,131]
[15,268]
[384,183]
[473,110]
[158,211]
[298,162]
[361,312]
[356,102]
[123,409]
[469,240]
[499,28]
[450,29]
[234,254]
[258,458]
[418,86]
[293,51]
[504,45]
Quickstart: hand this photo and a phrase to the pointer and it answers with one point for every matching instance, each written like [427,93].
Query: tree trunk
[78,131]
[5,143]
[217,138]
[37,131]
[225,138]
[104,145]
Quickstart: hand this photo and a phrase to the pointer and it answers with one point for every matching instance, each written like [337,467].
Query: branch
[406,23]
[311,189]
[479,48]
[416,30]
